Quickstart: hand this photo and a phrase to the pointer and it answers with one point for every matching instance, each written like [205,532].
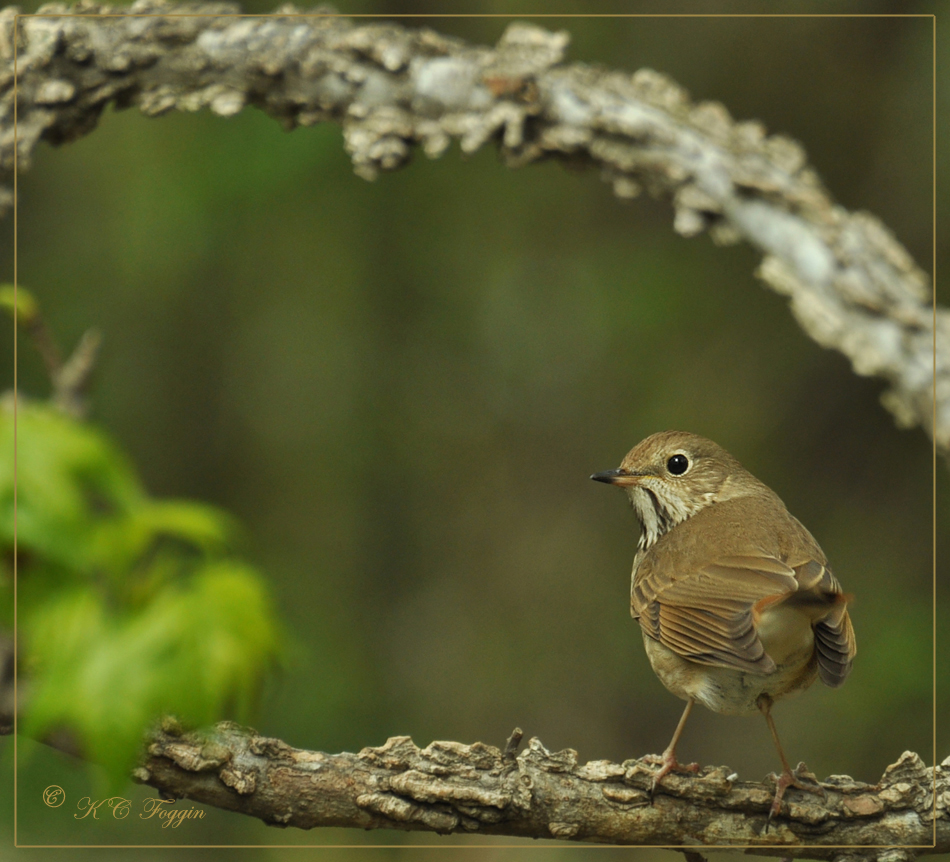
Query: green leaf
[20,299]
[70,479]
[197,524]
[198,651]
[129,607]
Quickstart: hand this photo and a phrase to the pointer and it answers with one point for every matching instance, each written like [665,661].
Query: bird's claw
[792,778]
[667,763]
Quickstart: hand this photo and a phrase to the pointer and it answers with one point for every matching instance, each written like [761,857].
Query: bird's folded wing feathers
[834,638]
[707,615]
[834,635]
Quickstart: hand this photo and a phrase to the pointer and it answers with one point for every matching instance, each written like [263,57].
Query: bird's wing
[819,593]
[708,615]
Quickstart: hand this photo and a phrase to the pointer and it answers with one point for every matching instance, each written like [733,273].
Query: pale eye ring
[678,464]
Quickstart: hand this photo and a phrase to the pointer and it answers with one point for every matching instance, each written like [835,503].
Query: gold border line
[933,282]
[16,244]
[473,15]
[553,845]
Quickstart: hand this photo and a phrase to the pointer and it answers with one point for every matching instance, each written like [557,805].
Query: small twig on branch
[851,285]
[511,746]
[71,380]
[449,787]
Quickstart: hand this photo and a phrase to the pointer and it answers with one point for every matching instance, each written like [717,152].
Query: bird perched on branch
[735,600]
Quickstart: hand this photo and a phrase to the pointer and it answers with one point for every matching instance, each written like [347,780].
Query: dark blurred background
[401,388]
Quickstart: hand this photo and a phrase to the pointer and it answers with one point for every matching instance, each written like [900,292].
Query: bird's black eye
[678,465]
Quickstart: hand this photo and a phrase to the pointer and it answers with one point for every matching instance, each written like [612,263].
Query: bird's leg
[789,777]
[667,760]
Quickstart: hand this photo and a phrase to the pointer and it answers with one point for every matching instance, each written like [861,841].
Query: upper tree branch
[450,787]
[851,285]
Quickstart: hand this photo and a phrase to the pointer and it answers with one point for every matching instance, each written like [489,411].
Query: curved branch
[852,286]
[449,787]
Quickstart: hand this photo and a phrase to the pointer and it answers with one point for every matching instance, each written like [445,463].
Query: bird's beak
[617,477]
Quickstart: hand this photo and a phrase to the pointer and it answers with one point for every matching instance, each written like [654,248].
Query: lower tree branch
[449,787]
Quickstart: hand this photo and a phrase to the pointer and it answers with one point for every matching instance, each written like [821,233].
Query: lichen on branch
[850,283]
[450,787]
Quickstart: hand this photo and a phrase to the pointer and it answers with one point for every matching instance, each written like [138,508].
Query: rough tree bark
[851,285]
[448,787]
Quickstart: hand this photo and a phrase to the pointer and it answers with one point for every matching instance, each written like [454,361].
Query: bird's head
[672,475]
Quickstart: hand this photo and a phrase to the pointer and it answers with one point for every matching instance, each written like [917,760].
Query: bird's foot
[667,763]
[800,778]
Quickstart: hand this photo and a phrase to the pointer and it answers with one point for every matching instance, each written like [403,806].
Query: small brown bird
[735,599]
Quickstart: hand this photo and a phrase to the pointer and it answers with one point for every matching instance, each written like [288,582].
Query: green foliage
[128,607]
[22,300]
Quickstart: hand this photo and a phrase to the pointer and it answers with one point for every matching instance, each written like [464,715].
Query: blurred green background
[401,387]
